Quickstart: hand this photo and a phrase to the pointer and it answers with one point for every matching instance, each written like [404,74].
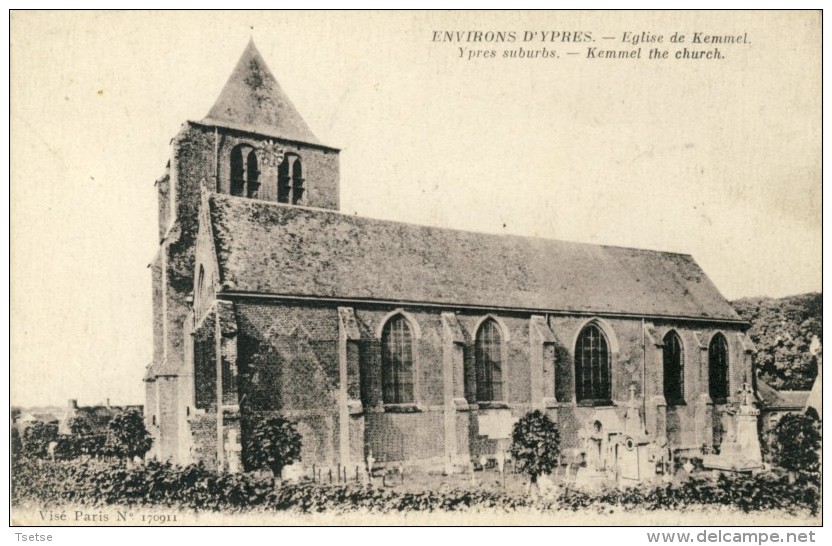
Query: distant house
[97,416]
[775,404]
[28,417]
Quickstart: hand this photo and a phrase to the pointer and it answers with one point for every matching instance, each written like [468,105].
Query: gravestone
[740,450]
[633,450]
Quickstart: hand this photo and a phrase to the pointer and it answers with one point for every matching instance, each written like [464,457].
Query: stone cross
[501,461]
[370,461]
[746,395]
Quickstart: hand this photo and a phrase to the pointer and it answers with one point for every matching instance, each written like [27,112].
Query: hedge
[744,492]
[101,482]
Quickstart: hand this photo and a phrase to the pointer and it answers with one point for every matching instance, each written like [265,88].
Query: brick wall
[203,432]
[405,436]
[168,417]
[205,364]
[287,355]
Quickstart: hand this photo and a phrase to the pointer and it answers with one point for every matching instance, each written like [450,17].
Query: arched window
[245,174]
[297,182]
[238,172]
[592,367]
[489,362]
[674,369]
[718,369]
[284,188]
[397,361]
[252,175]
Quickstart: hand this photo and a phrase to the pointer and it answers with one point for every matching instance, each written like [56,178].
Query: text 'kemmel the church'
[418,345]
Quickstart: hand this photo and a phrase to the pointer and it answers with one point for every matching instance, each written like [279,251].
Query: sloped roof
[43,417]
[784,400]
[165,368]
[269,248]
[252,100]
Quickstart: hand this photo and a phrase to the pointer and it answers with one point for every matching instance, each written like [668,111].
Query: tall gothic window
[718,369]
[674,370]
[489,355]
[592,367]
[397,361]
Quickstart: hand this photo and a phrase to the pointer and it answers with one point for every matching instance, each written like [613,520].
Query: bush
[797,443]
[37,437]
[127,436]
[100,482]
[535,445]
[80,441]
[274,443]
[71,447]
[80,426]
[91,446]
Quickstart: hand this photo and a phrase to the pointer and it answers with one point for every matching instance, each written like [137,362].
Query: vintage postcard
[434,268]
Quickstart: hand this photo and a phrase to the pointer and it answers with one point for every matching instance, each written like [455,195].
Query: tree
[274,443]
[80,426]
[37,437]
[81,441]
[127,436]
[535,445]
[16,442]
[783,330]
[797,443]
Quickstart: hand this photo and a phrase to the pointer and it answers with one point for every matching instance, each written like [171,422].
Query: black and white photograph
[453,268]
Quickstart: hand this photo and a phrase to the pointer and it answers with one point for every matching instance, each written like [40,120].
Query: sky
[720,159]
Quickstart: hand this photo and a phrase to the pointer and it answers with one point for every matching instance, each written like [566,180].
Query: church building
[415,345]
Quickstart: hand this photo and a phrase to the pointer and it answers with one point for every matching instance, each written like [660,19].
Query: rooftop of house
[268,248]
[781,400]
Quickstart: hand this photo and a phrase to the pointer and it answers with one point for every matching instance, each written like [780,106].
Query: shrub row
[100,482]
[747,493]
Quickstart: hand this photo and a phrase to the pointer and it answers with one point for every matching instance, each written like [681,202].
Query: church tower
[253,144]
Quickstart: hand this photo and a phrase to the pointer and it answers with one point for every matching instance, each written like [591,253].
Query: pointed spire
[252,100]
